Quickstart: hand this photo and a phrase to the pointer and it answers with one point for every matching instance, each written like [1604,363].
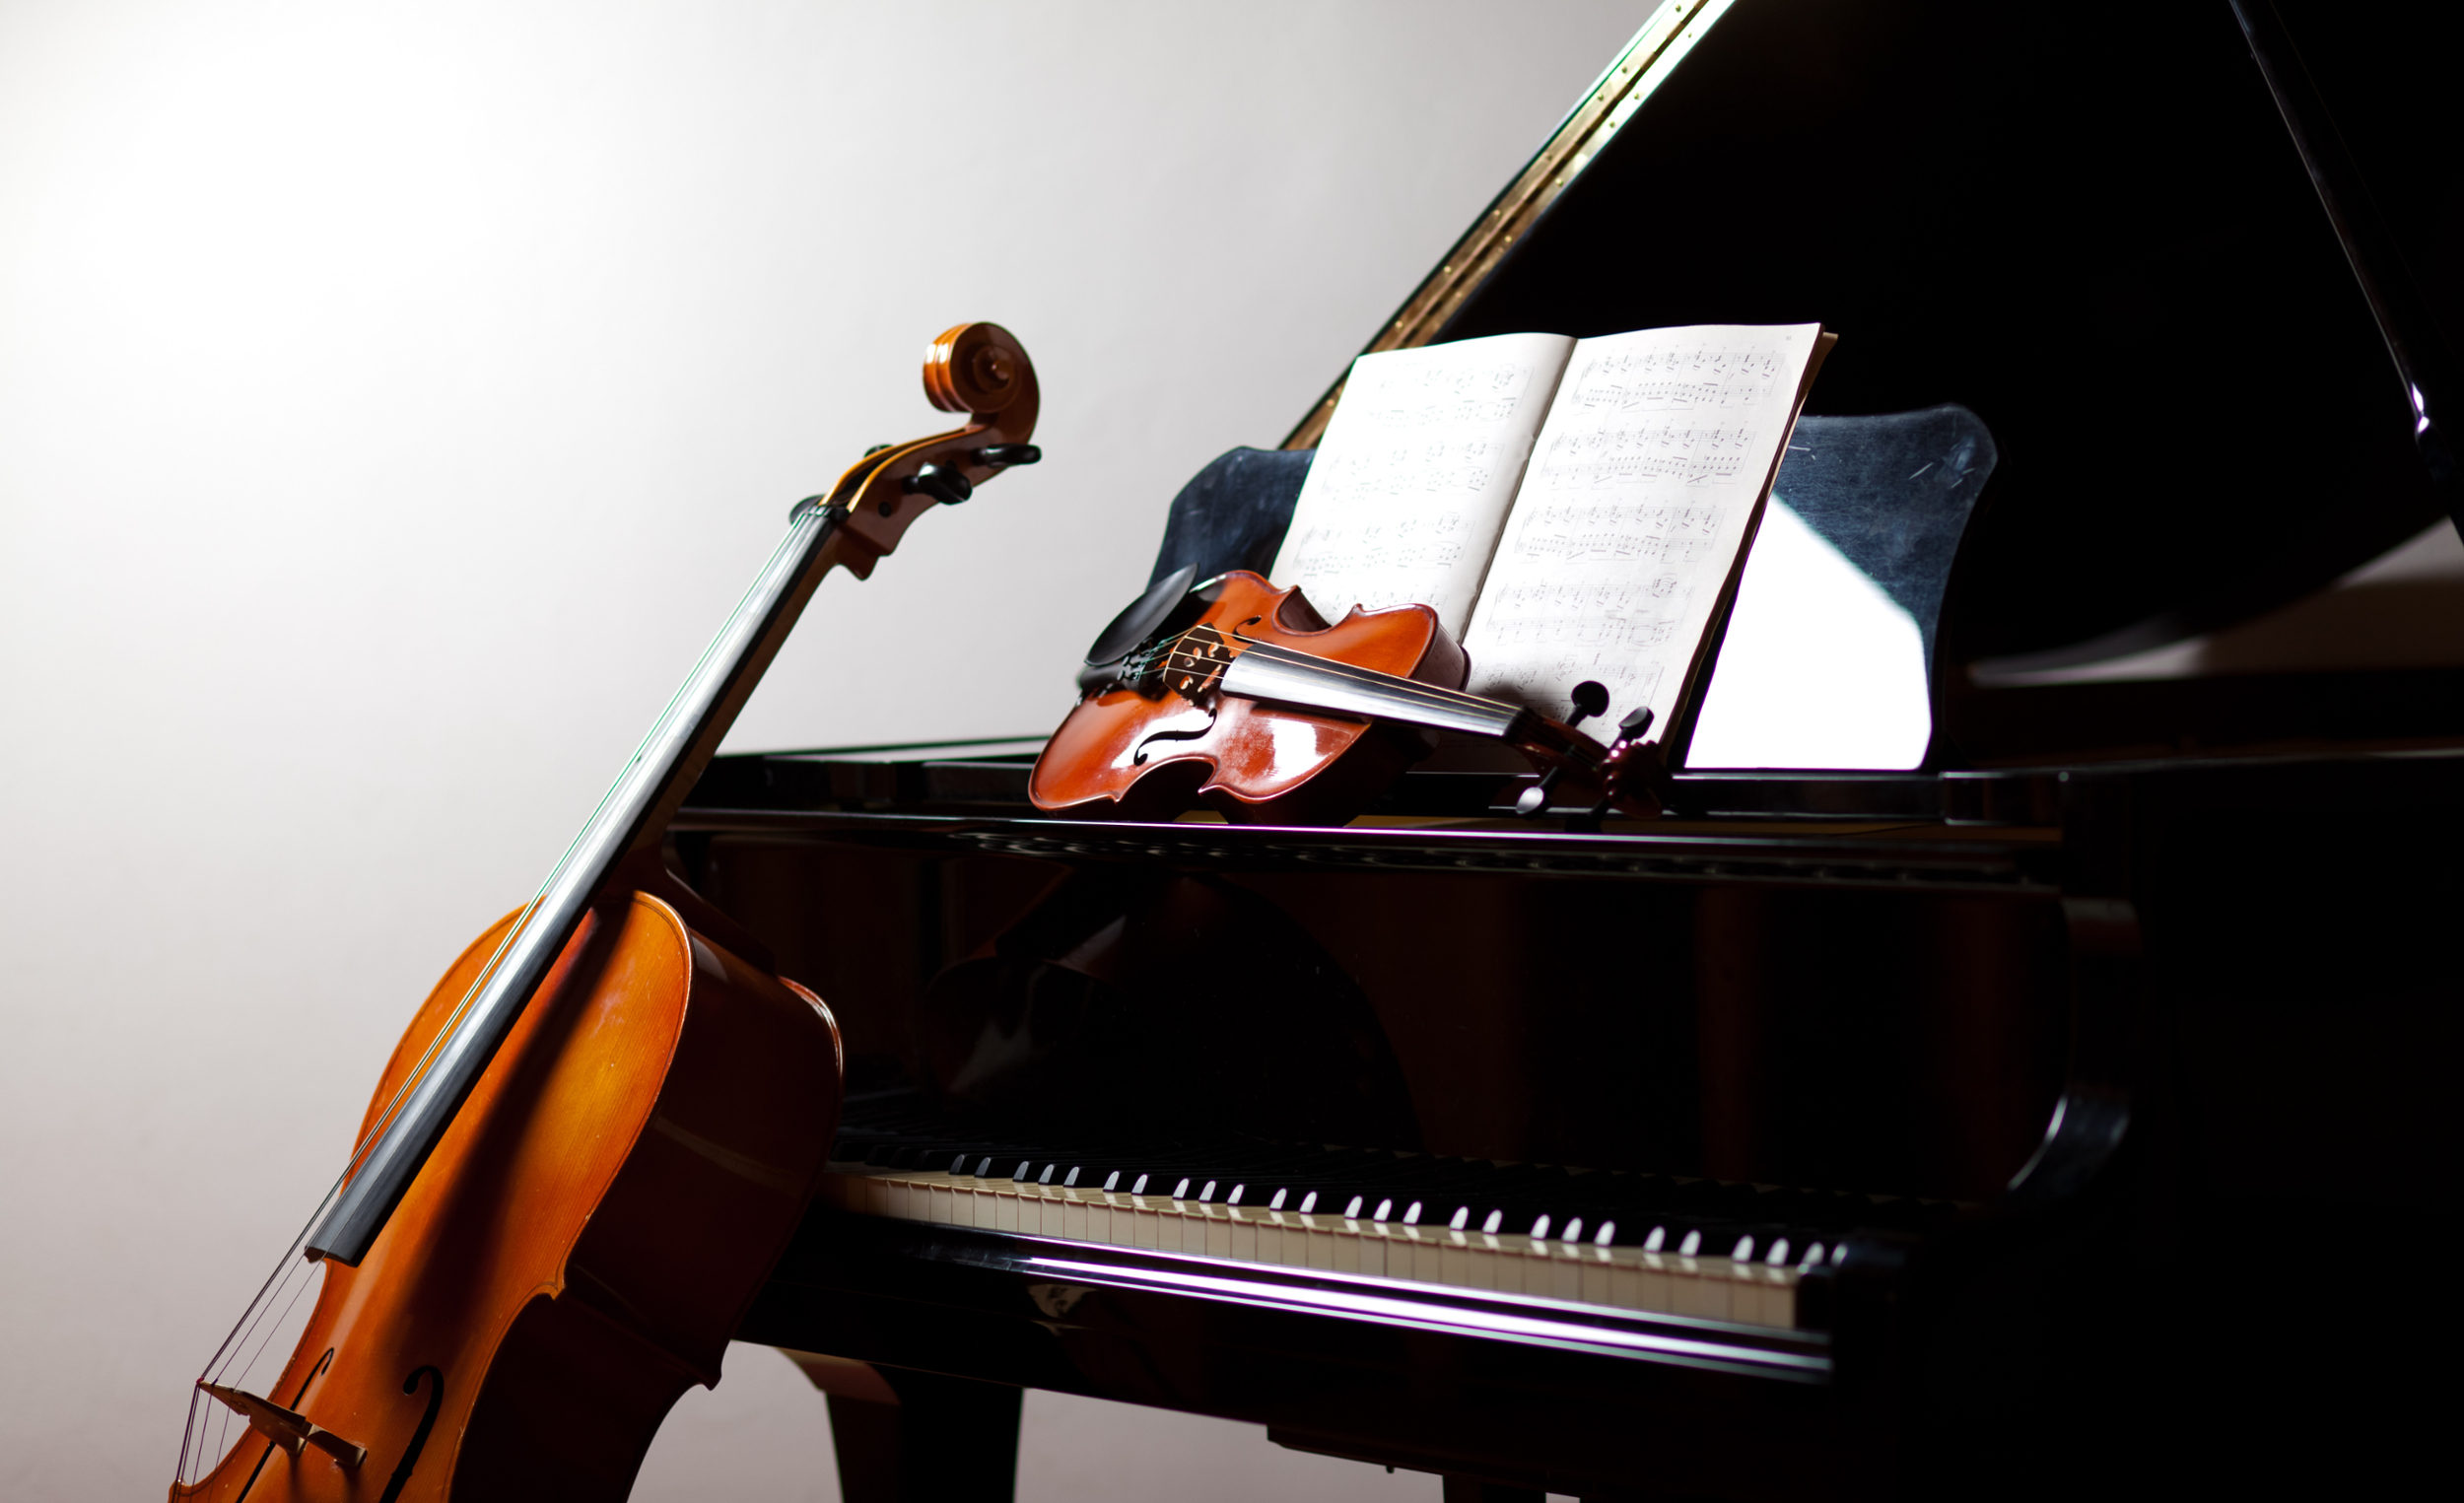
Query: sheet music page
[1638,504]
[1414,474]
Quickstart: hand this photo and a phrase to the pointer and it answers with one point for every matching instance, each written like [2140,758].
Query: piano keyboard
[1644,1243]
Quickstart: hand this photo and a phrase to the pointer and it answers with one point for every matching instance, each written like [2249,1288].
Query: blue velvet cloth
[1234,513]
[1892,493]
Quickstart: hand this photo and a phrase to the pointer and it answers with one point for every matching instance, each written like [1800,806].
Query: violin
[1241,696]
[600,1128]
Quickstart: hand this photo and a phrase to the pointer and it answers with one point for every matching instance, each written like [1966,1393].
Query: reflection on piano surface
[2000,1124]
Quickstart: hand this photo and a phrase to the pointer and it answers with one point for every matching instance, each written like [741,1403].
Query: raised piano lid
[2101,239]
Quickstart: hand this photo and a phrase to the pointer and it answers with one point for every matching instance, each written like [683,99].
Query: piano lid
[2102,237]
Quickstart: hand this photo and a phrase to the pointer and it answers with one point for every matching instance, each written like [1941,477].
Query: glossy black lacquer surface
[2164,1043]
[2163,1034]
[2100,239]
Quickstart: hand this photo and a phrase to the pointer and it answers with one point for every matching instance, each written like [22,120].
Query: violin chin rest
[1142,618]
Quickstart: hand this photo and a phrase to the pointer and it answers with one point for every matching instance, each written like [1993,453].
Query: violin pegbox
[1634,776]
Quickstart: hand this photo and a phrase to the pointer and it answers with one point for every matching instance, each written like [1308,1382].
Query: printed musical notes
[1413,476]
[1595,544]
[1707,374]
[1636,505]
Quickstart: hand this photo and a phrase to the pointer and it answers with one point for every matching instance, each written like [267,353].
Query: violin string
[1426,695]
[225,1354]
[1369,677]
[1411,688]
[803,524]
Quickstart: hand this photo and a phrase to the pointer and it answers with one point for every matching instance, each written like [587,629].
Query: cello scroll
[978,369]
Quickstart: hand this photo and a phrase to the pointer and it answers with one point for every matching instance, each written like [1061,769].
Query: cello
[603,1125]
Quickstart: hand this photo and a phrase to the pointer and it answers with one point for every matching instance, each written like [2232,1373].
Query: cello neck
[630,818]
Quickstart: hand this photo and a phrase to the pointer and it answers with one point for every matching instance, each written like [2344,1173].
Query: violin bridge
[1198,659]
[287,1428]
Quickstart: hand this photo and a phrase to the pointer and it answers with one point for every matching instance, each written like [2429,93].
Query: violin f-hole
[1138,756]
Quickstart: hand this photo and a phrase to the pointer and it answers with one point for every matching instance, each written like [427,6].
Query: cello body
[586,1235]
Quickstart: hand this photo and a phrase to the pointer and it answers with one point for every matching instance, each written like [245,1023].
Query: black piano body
[2103,1057]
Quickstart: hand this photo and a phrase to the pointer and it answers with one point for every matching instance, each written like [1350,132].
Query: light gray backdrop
[393,398]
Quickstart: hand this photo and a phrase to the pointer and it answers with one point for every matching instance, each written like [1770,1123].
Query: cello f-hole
[297,1395]
[419,1437]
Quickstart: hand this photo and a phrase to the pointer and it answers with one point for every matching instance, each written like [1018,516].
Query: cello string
[220,1439]
[274,1326]
[215,1363]
[452,1024]
[222,1368]
[804,523]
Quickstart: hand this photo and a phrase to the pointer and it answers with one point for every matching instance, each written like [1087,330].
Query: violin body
[1121,754]
[584,1238]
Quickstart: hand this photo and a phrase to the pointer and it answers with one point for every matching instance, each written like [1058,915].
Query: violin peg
[1636,721]
[1532,803]
[1009,455]
[1590,697]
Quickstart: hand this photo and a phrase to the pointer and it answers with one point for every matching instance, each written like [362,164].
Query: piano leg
[947,1440]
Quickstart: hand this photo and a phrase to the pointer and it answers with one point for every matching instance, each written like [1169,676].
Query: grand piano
[2067,1111]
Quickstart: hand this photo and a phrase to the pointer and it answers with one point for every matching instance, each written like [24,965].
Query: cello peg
[948,487]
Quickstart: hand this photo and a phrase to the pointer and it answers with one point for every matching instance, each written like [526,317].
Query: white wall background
[392,397]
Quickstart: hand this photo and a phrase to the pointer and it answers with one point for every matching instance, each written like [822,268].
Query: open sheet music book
[1572,508]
